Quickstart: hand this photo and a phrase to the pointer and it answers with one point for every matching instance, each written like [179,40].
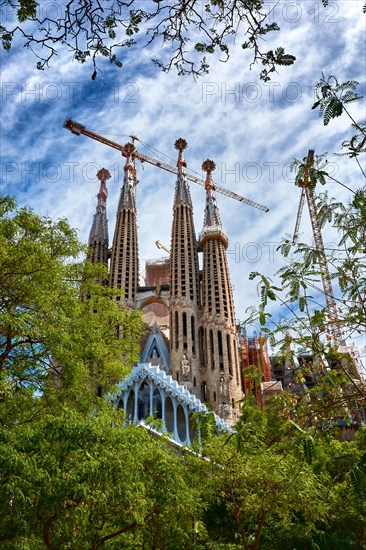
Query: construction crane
[77,129]
[308,193]
[161,246]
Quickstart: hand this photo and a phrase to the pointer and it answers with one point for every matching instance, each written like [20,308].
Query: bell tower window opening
[212,350]
[184,322]
[176,330]
[219,342]
[204,392]
[193,331]
[201,346]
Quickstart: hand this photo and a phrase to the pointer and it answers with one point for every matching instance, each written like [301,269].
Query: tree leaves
[86,478]
[98,28]
[45,326]
[332,96]
[27,10]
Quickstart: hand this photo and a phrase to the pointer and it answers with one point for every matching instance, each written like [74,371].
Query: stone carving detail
[223,386]
[186,369]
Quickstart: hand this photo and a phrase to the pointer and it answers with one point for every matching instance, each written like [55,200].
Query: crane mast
[299,214]
[77,129]
[307,192]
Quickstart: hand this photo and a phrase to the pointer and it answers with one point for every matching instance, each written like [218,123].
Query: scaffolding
[256,366]
[157,272]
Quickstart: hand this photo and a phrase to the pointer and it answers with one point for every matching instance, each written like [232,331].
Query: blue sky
[251,129]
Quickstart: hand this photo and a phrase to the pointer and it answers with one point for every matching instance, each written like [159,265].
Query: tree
[264,492]
[342,464]
[48,329]
[92,29]
[276,485]
[72,474]
[306,322]
[333,99]
[87,481]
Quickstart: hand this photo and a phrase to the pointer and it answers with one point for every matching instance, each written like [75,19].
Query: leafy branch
[333,99]
[92,29]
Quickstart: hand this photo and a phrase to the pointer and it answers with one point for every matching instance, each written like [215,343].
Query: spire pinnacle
[212,217]
[209,166]
[180,145]
[128,193]
[103,175]
[182,195]
[129,149]
[98,236]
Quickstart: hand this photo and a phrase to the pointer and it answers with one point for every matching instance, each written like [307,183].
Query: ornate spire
[128,192]
[98,236]
[183,257]
[103,175]
[212,216]
[222,374]
[212,227]
[124,266]
[184,279]
[182,194]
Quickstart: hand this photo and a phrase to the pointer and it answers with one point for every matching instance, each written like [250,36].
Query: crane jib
[77,129]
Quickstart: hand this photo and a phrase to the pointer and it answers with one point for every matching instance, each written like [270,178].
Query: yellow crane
[308,193]
[160,245]
[78,129]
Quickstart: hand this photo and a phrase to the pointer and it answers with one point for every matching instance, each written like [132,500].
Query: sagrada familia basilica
[190,353]
[194,356]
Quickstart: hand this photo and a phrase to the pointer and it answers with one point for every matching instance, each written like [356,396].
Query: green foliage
[47,329]
[204,428]
[316,172]
[357,143]
[302,272]
[261,481]
[333,99]
[332,96]
[76,480]
[304,322]
[27,10]
[278,57]
[73,475]
[97,27]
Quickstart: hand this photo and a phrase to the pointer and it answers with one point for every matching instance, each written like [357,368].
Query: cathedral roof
[162,380]
[155,350]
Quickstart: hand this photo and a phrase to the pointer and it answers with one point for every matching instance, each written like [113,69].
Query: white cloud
[251,129]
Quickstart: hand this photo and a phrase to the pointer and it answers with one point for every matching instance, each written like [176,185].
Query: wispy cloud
[251,129]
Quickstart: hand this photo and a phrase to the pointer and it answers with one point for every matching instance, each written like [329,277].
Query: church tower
[98,236]
[124,266]
[184,284]
[193,348]
[222,386]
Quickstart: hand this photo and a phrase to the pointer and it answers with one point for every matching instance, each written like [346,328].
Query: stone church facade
[190,353]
